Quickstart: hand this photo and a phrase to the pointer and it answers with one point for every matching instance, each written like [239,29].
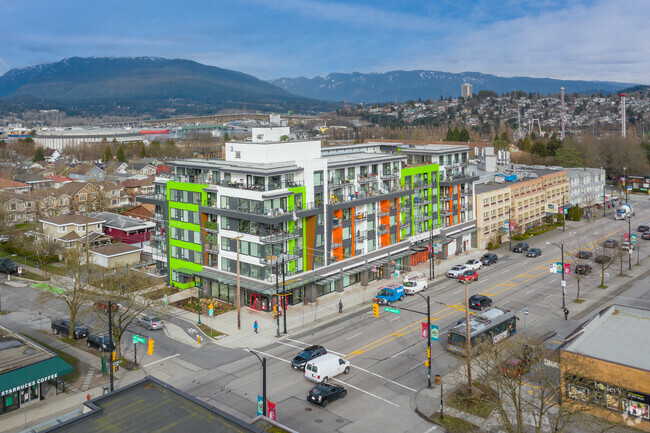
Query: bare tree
[46,250]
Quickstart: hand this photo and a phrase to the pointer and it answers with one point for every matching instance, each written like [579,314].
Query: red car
[468,276]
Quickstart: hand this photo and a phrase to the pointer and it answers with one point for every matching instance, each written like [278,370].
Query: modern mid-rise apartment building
[329,217]
[519,200]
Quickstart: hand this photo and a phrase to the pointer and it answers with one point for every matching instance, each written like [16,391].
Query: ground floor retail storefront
[26,385]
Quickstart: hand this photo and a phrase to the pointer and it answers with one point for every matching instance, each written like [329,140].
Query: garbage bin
[438,379]
[104,369]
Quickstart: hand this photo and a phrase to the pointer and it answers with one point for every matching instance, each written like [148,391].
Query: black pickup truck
[8,267]
[63,327]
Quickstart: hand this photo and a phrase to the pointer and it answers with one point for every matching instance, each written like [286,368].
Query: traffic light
[426,363]
[198,339]
[150,347]
[428,353]
[113,356]
[116,368]
[275,312]
[375,310]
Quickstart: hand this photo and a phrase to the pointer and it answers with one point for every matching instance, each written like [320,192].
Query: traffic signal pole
[429,341]
[110,339]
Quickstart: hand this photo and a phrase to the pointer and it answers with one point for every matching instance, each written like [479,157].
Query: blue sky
[571,39]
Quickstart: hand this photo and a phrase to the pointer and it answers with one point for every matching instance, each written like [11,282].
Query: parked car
[520,247]
[4,238]
[324,393]
[602,259]
[474,264]
[610,243]
[456,271]
[583,269]
[534,252]
[645,235]
[151,322]
[584,254]
[63,327]
[311,352]
[478,302]
[489,258]
[643,229]
[469,275]
[8,267]
[102,342]
[626,245]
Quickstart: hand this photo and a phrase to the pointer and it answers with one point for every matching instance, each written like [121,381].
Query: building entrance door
[256,302]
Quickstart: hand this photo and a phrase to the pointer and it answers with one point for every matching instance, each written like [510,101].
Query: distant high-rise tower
[562,99]
[467,91]
[623,133]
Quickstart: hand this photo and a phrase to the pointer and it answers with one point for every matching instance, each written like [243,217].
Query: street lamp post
[263,361]
[283,304]
[198,285]
[629,236]
[428,337]
[625,181]
[510,225]
[561,247]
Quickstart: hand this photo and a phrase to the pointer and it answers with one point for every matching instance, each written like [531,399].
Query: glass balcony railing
[287,257]
[342,198]
[211,227]
[279,236]
[366,178]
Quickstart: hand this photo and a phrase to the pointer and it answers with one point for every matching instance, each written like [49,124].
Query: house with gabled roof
[10,185]
[51,202]
[87,172]
[116,255]
[19,207]
[112,196]
[136,187]
[34,180]
[140,168]
[83,196]
[70,230]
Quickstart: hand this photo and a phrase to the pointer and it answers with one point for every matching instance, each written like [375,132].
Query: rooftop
[78,220]
[616,335]
[121,222]
[150,405]
[17,351]
[116,249]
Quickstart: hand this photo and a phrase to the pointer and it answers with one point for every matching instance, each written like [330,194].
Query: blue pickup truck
[390,293]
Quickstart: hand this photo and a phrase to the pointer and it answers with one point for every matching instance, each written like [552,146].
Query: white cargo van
[413,286]
[326,367]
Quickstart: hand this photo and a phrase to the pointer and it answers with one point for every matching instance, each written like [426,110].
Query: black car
[63,327]
[534,252]
[100,341]
[489,258]
[324,393]
[520,247]
[645,235]
[602,259]
[584,254]
[643,229]
[610,243]
[8,267]
[583,269]
[478,302]
[306,355]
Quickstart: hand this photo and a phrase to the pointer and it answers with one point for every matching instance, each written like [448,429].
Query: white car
[474,264]
[415,285]
[455,271]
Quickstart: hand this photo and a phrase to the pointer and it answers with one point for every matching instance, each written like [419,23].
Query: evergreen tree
[143,153]
[450,135]
[554,144]
[525,144]
[464,135]
[456,136]
[39,155]
[120,154]
[108,155]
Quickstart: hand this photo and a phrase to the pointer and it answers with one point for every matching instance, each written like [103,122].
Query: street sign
[563,283]
[20,270]
[633,239]
[138,339]
[629,188]
[392,310]
[553,268]
[435,333]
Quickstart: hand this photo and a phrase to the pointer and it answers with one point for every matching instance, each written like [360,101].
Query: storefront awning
[33,374]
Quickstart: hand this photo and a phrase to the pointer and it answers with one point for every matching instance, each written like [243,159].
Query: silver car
[151,322]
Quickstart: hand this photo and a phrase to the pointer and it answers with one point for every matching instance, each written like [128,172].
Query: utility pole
[110,339]
[284,299]
[467,340]
[564,215]
[431,254]
[429,340]
[625,181]
[629,235]
[563,281]
[604,194]
[277,297]
[198,286]
[510,225]
[238,286]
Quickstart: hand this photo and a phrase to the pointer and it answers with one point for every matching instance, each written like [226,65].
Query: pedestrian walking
[255,326]
[566,314]
[340,306]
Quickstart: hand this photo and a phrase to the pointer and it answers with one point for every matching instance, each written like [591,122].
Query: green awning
[20,378]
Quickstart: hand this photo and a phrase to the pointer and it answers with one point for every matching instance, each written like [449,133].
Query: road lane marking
[352,336]
[399,353]
[336,330]
[457,291]
[506,271]
[365,392]
[384,378]
[431,429]
[161,360]
[297,341]
[290,345]
[507,284]
[530,291]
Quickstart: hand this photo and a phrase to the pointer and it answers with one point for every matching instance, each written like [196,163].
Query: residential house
[163,169]
[111,196]
[35,181]
[51,202]
[87,172]
[72,230]
[19,207]
[10,185]
[143,211]
[59,181]
[117,255]
[136,187]
[83,196]
[52,155]
[125,229]
[144,169]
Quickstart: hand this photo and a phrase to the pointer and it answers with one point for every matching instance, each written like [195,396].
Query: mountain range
[413,85]
[143,85]
[158,87]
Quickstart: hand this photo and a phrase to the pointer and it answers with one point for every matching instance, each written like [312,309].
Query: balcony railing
[280,236]
[360,236]
[367,178]
[339,198]
[158,218]
[336,223]
[383,231]
[212,227]
[446,198]
[257,209]
[360,216]
[158,237]
[212,247]
[383,212]
[335,181]
[390,174]
[287,257]
[337,243]
[404,224]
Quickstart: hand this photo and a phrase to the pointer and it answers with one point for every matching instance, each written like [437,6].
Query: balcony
[211,227]
[336,182]
[270,186]
[336,223]
[344,198]
[360,216]
[158,237]
[444,213]
[405,224]
[383,212]
[390,174]
[405,203]
[336,243]
[158,218]
[367,178]
[287,257]
[360,236]
[279,236]
[212,247]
